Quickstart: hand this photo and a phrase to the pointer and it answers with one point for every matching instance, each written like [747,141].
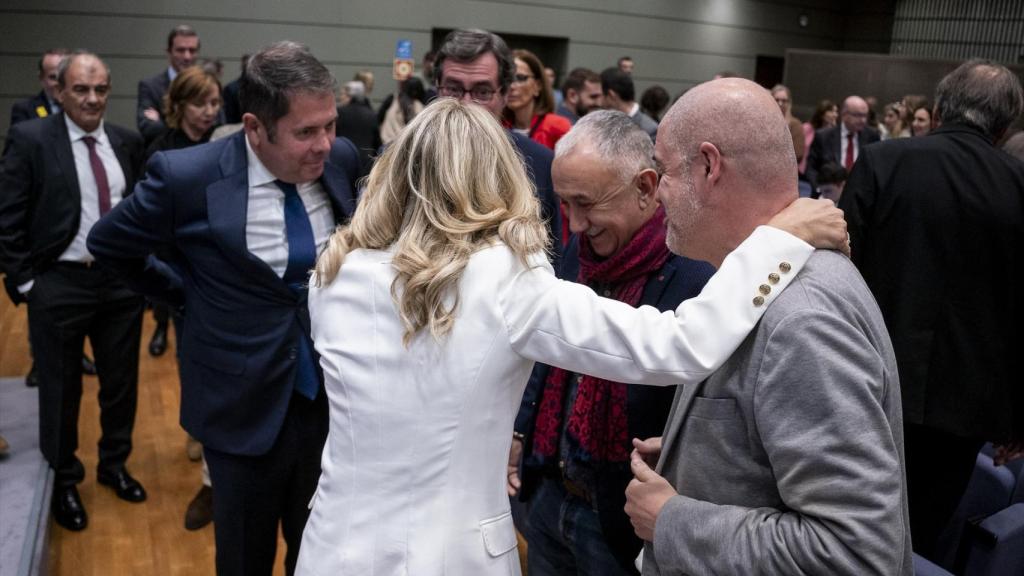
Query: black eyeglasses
[481,94]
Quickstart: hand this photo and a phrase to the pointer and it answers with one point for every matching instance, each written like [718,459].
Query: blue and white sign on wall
[404,50]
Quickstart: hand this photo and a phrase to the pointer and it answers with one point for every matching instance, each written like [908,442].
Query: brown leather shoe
[200,509]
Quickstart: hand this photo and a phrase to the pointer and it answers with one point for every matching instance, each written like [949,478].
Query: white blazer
[414,467]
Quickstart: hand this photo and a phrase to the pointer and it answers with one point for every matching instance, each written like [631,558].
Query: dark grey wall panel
[960,29]
[676,43]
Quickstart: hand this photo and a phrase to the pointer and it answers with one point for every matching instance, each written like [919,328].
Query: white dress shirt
[265,233]
[76,251]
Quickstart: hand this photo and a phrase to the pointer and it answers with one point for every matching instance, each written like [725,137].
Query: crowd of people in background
[600,160]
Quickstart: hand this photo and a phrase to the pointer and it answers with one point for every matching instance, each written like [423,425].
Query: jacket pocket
[499,534]
[219,359]
[713,408]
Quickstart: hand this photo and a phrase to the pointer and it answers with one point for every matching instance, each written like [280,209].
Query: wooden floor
[124,538]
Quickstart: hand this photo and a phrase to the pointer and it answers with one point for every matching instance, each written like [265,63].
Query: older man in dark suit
[937,226]
[575,430]
[182,52]
[243,220]
[844,142]
[61,174]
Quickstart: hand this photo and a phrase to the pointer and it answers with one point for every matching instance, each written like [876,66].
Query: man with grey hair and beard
[789,458]
[243,220]
[574,429]
[923,213]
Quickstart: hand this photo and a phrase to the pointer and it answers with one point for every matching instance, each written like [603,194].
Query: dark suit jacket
[240,344]
[827,148]
[647,406]
[538,167]
[937,229]
[40,201]
[358,122]
[232,106]
[28,108]
[151,95]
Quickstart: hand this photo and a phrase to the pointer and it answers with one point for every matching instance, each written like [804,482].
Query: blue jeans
[565,538]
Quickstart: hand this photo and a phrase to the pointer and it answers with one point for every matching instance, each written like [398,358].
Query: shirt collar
[172,73]
[634,109]
[844,132]
[259,175]
[75,132]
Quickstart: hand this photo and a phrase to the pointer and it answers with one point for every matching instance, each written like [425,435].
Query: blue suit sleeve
[126,238]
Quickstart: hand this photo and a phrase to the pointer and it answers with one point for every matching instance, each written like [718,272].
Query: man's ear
[647,188]
[253,129]
[711,159]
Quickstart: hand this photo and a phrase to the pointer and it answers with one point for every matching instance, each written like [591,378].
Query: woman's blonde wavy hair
[451,184]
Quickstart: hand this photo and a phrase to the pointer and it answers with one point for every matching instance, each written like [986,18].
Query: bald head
[728,163]
[854,113]
[742,120]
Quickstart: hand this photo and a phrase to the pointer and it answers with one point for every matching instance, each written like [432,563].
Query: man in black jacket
[937,225]
[61,174]
[45,103]
[844,142]
[182,52]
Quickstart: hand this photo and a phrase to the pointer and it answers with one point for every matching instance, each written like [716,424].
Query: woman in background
[921,122]
[428,311]
[530,107]
[825,116]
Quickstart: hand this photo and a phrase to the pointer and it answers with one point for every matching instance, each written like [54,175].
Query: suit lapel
[65,157]
[336,185]
[227,206]
[676,418]
[122,158]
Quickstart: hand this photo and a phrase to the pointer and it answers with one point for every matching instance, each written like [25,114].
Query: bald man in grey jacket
[788,459]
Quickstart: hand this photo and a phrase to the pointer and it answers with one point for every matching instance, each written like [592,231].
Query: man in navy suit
[843,143]
[244,218]
[61,174]
[182,52]
[477,65]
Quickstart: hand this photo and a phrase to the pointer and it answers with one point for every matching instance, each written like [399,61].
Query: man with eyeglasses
[841,144]
[478,66]
[61,174]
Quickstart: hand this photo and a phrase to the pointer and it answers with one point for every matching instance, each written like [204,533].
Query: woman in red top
[530,106]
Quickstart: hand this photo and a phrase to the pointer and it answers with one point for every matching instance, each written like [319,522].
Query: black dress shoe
[126,487]
[200,509]
[32,379]
[68,510]
[88,367]
[158,343]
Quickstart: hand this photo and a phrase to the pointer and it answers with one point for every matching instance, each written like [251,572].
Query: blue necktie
[301,258]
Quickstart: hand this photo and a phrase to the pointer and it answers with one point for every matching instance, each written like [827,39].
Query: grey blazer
[789,458]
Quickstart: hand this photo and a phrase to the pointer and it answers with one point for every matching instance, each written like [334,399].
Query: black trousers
[254,493]
[67,303]
[939,466]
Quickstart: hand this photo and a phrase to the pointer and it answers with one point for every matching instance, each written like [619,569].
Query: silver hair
[65,63]
[615,137]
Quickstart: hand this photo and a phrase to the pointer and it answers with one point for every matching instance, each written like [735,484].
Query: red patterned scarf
[597,425]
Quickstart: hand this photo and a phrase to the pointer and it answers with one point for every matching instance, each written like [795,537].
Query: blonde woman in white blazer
[429,310]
